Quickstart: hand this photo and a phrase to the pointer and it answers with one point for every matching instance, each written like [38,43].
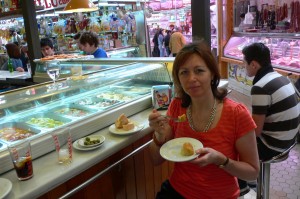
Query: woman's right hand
[159,123]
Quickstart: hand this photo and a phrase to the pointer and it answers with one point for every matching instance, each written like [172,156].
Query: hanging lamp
[80,6]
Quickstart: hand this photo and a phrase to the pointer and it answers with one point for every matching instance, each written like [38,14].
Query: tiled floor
[285,178]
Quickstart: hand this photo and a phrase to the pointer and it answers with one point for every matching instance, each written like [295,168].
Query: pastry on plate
[122,120]
[124,123]
[187,149]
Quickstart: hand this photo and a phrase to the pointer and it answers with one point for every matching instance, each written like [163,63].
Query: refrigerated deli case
[284,48]
[87,66]
[285,57]
[85,105]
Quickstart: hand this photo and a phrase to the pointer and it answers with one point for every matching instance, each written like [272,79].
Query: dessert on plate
[187,149]
[124,123]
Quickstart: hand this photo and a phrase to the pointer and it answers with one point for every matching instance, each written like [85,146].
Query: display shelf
[108,93]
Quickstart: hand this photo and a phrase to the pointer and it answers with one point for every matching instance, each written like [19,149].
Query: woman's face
[195,77]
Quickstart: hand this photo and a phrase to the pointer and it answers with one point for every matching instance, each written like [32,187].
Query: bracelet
[225,163]
[156,142]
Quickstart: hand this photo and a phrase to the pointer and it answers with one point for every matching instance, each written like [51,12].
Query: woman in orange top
[224,127]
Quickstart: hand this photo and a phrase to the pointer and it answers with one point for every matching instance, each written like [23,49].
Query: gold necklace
[210,119]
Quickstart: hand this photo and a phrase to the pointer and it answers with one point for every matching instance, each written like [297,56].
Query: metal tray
[45,120]
[99,103]
[59,111]
[33,131]
[132,90]
[112,95]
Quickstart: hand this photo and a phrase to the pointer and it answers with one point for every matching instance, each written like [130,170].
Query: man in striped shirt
[275,105]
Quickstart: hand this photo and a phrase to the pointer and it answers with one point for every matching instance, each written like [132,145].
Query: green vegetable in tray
[88,141]
[45,122]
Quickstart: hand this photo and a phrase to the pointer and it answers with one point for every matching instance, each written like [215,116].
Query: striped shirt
[274,96]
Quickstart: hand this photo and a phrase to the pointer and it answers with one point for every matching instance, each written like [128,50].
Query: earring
[212,82]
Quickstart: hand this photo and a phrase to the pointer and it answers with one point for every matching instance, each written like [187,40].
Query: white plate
[5,187]
[171,149]
[92,137]
[116,131]
[80,148]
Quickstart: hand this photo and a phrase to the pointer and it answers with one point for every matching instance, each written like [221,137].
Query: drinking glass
[20,153]
[63,145]
[53,71]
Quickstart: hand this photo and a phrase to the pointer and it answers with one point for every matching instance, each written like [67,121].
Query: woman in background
[161,40]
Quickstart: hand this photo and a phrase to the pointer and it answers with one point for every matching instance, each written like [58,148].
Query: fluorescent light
[104,4]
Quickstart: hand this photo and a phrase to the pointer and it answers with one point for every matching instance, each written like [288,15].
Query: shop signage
[51,4]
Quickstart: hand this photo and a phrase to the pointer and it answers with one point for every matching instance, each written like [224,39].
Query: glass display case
[284,48]
[86,105]
[67,68]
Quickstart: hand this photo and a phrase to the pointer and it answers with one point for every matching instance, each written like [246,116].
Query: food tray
[45,120]
[132,89]
[100,103]
[72,110]
[111,95]
[23,129]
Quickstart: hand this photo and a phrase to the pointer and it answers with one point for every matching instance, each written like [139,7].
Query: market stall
[263,27]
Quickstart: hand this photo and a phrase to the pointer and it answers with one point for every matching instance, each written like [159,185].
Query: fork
[175,119]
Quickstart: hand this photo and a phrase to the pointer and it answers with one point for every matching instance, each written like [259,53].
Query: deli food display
[284,48]
[35,112]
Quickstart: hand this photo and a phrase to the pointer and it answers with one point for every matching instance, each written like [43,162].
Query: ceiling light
[80,6]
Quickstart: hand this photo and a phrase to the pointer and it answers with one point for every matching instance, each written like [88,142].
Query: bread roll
[187,149]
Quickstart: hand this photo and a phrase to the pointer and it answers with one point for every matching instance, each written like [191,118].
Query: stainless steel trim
[89,181]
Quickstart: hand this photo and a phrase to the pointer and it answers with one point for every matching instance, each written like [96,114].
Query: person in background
[24,56]
[275,105]
[14,54]
[224,127]
[161,43]
[47,47]
[156,51]
[167,40]
[16,38]
[76,38]
[177,41]
[89,44]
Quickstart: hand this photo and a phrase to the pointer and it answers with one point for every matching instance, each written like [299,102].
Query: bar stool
[263,181]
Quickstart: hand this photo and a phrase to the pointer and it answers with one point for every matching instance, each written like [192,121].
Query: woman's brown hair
[13,50]
[201,49]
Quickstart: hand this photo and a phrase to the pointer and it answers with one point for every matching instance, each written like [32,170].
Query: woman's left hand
[208,156]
